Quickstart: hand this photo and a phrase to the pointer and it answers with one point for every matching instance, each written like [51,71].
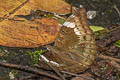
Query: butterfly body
[74,49]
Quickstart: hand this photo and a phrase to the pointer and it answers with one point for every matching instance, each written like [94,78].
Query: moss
[35,55]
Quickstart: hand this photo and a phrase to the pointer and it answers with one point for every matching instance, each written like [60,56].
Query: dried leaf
[6,6]
[19,32]
[28,34]
[23,7]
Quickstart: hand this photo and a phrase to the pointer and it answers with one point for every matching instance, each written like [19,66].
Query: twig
[78,75]
[117,10]
[13,11]
[58,73]
[115,65]
[29,77]
[57,16]
[109,58]
[29,69]
[113,60]
[21,5]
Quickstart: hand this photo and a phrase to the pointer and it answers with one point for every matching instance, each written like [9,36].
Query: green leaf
[117,43]
[96,28]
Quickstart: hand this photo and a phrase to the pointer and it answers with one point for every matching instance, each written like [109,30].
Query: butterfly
[74,48]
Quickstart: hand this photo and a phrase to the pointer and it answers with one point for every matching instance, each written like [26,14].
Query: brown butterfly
[74,49]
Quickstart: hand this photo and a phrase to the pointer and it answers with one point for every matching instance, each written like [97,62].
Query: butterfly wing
[74,48]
